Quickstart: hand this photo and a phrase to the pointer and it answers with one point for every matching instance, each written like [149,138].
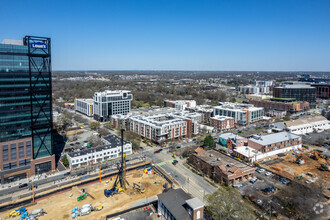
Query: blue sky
[288,35]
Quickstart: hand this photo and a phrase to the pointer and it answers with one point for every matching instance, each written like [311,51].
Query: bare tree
[226,203]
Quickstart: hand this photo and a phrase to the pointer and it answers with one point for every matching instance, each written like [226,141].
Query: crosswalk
[164,162]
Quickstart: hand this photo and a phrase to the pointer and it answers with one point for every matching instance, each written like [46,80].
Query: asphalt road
[186,179]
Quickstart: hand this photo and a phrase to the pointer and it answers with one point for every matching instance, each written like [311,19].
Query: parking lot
[317,138]
[255,193]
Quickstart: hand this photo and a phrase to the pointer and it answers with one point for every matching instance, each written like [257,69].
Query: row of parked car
[269,189]
[281,179]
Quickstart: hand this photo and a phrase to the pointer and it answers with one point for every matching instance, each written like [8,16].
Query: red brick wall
[17,151]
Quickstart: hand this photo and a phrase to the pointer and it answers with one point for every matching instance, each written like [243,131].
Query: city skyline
[177,35]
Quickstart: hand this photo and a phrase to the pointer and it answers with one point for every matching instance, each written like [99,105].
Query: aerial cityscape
[165,110]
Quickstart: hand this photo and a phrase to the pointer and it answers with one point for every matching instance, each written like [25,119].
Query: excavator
[138,187]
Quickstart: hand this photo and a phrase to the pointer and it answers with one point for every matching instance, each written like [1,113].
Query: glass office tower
[25,108]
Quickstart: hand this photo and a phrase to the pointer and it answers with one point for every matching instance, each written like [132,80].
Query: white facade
[182,104]
[109,103]
[162,127]
[100,154]
[255,155]
[277,113]
[264,83]
[242,113]
[84,106]
[308,125]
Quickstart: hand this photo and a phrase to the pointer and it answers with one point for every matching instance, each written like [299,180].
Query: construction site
[148,185]
[303,165]
[94,200]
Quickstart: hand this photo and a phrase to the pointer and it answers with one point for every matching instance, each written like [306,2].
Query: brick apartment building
[222,122]
[289,105]
[322,90]
[220,167]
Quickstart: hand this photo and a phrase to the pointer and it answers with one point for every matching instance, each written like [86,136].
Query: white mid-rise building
[163,127]
[84,106]
[88,156]
[243,114]
[110,103]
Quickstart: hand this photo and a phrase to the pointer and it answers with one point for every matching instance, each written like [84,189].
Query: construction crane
[120,182]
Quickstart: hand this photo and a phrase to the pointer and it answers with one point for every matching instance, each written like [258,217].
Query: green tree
[209,142]
[232,99]
[135,139]
[226,203]
[109,126]
[65,161]
[95,125]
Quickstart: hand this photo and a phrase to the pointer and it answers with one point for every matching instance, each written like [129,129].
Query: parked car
[174,162]
[268,173]
[261,170]
[22,185]
[253,180]
[286,182]
[157,151]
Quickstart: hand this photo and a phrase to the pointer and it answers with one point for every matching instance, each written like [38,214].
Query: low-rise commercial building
[222,168]
[307,125]
[175,204]
[276,143]
[243,114]
[231,140]
[222,122]
[84,106]
[180,104]
[87,156]
[285,104]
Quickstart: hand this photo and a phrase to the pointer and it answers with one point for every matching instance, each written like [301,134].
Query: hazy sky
[176,34]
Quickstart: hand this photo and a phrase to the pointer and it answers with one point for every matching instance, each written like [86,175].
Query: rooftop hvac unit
[219,159]
[211,155]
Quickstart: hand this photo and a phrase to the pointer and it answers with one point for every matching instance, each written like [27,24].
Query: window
[21,149]
[28,148]
[6,166]
[13,151]
[5,153]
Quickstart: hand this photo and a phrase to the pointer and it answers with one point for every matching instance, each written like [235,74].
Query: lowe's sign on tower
[39,45]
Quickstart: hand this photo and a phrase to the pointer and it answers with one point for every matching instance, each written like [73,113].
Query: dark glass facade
[306,94]
[25,97]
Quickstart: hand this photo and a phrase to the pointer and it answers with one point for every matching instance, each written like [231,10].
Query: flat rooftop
[216,158]
[113,142]
[221,117]
[86,100]
[273,138]
[230,136]
[304,121]
[247,151]
[297,86]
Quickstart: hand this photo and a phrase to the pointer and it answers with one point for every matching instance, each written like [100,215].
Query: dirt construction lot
[291,169]
[59,206]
